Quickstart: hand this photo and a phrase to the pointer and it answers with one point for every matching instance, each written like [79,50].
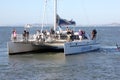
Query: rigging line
[85,11]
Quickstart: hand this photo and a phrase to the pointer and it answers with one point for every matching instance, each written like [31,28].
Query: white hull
[21,47]
[80,47]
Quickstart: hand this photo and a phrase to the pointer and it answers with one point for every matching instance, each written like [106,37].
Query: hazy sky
[84,12]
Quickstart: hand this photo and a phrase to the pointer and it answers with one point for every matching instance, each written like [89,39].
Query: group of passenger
[81,34]
[85,36]
[25,35]
[44,34]
[70,34]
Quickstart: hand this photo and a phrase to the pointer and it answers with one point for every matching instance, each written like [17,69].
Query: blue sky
[84,12]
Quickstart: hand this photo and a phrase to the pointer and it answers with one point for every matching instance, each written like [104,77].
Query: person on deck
[14,34]
[52,33]
[94,33]
[72,35]
[38,35]
[80,34]
[24,35]
[68,34]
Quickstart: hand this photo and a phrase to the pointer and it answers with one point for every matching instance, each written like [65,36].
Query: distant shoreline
[75,26]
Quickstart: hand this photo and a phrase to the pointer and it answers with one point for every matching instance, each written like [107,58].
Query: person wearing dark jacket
[94,33]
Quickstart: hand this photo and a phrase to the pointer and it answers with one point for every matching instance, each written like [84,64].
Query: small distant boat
[78,46]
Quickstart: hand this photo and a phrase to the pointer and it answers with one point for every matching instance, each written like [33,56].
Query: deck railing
[20,38]
[34,37]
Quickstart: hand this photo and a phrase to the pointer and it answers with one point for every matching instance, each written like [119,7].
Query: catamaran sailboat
[55,40]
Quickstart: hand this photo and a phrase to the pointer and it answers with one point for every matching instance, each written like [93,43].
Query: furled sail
[61,21]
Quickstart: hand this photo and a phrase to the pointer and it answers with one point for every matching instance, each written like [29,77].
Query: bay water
[98,65]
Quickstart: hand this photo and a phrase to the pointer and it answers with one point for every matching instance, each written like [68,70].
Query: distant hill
[114,24]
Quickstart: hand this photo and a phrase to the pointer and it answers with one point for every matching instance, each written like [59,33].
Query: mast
[55,14]
[44,11]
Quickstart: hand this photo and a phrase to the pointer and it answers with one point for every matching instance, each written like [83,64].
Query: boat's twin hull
[22,47]
[18,47]
[80,47]
[69,47]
